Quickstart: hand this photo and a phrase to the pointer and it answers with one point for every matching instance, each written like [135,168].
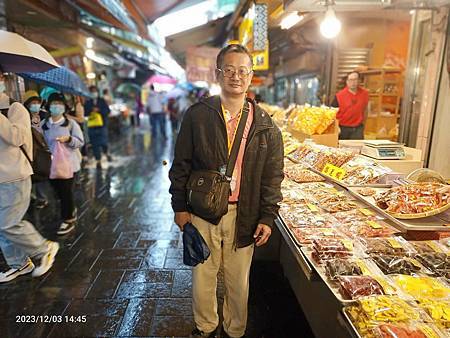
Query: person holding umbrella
[19,240]
[97,111]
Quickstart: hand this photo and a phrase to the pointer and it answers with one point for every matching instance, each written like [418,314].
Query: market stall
[365,250]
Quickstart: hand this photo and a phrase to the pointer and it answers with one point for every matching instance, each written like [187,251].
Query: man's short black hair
[233,48]
[92,87]
[352,72]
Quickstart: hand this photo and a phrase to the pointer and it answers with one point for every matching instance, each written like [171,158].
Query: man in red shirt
[352,102]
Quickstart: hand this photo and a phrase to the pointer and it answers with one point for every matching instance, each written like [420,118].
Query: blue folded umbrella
[195,249]
[60,78]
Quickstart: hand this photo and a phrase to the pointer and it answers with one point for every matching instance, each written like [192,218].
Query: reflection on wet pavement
[122,267]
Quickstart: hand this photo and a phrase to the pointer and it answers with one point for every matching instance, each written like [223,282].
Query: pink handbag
[62,166]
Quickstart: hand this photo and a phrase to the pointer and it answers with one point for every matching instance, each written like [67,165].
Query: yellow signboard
[333,171]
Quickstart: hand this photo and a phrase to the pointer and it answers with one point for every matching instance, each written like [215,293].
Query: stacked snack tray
[367,228]
[371,312]
[395,246]
[422,287]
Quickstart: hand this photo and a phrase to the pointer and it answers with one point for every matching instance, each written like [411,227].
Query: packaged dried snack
[410,330]
[366,191]
[343,205]
[370,312]
[428,247]
[389,264]
[354,287]
[301,175]
[422,287]
[311,220]
[305,236]
[311,119]
[366,229]
[413,198]
[386,246]
[438,310]
[361,214]
[342,267]
[434,261]
[329,248]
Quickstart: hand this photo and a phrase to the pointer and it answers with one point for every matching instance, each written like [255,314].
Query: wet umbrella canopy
[60,78]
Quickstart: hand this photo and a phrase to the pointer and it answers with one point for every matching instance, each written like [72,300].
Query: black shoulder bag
[208,191]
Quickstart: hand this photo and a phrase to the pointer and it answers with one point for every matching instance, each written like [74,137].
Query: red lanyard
[231,140]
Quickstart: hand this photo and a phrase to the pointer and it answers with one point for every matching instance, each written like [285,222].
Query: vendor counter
[411,162]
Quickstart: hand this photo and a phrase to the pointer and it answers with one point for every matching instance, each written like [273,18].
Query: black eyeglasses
[242,72]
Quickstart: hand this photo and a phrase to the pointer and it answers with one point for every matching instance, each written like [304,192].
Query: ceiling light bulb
[330,26]
[291,20]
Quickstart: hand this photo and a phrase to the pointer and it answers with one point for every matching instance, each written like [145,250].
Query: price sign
[333,171]
[366,212]
[313,207]
[374,225]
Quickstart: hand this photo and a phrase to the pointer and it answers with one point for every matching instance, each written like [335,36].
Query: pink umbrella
[162,79]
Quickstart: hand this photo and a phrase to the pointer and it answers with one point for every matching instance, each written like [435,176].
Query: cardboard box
[328,138]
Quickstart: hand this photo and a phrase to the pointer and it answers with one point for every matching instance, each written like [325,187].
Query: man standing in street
[155,107]
[204,143]
[352,102]
[19,240]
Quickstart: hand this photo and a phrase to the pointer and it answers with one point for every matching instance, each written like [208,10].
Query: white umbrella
[18,54]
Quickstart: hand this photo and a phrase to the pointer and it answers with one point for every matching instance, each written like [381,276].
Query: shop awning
[210,34]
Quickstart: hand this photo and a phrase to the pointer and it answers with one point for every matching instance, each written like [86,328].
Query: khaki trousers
[236,268]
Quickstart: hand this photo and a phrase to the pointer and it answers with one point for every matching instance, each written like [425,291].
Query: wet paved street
[122,267]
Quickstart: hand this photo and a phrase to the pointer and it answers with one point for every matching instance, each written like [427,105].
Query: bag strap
[5,112]
[237,141]
[26,155]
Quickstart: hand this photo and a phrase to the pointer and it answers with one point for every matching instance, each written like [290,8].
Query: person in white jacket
[19,240]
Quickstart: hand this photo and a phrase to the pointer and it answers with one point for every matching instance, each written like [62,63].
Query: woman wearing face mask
[59,129]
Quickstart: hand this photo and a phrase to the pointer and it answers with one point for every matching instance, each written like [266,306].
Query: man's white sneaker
[14,273]
[46,260]
[65,228]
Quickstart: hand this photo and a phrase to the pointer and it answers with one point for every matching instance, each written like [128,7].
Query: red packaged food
[354,287]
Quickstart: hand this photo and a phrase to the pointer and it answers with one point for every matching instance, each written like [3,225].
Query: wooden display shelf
[377,123]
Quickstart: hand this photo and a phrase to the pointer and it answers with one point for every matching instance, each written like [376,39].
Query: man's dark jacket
[202,145]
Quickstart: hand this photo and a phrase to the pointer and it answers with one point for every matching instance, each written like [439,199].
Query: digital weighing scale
[383,150]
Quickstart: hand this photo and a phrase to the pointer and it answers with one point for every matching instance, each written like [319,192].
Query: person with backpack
[19,240]
[64,138]
[41,153]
